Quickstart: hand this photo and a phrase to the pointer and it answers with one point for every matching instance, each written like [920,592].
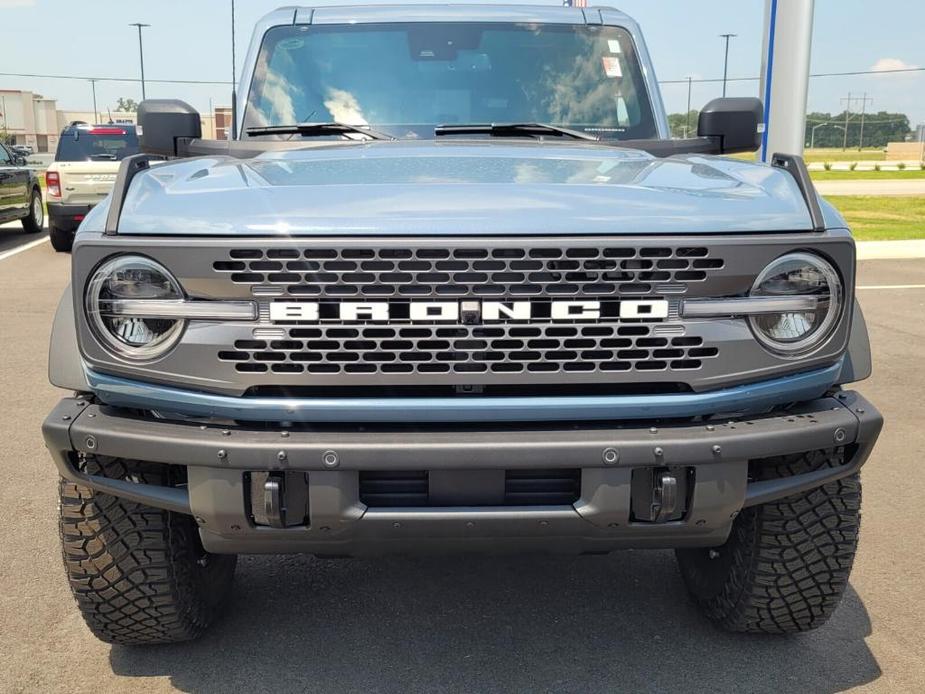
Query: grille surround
[194,363]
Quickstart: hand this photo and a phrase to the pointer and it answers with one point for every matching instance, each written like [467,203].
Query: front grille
[503,349]
[530,487]
[474,272]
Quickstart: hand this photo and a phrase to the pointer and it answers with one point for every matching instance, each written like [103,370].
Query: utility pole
[726,61]
[847,118]
[96,116]
[687,128]
[141,55]
[864,101]
[234,86]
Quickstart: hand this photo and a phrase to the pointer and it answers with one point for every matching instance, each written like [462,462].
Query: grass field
[907,175]
[824,155]
[882,218]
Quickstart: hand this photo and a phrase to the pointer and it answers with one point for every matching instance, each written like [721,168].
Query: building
[29,119]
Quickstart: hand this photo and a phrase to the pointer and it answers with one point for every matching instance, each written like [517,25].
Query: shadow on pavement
[620,622]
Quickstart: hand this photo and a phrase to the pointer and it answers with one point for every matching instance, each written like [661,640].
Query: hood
[445,188]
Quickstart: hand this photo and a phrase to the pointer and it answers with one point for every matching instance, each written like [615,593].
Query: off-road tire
[786,563]
[61,240]
[34,222]
[139,574]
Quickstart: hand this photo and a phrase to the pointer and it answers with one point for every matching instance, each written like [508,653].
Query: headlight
[795,333]
[112,289]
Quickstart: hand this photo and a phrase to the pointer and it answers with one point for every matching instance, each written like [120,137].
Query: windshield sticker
[612,66]
[291,44]
[614,46]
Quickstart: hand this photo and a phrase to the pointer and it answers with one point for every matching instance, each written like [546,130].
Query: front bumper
[218,459]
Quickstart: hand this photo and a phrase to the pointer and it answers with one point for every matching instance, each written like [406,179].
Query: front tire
[786,563]
[61,239]
[34,222]
[139,574]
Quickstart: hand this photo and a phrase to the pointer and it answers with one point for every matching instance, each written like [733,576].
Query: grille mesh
[534,348]
[459,272]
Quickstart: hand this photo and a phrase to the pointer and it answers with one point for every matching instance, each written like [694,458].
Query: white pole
[788,36]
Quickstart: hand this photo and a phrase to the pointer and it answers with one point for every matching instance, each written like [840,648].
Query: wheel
[786,563]
[35,220]
[139,574]
[61,239]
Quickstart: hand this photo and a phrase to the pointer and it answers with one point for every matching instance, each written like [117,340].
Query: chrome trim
[182,309]
[750,306]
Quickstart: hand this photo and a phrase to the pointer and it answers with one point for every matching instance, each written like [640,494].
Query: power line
[108,79]
[817,74]
[680,81]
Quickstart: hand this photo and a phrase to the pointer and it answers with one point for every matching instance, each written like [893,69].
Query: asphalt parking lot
[615,623]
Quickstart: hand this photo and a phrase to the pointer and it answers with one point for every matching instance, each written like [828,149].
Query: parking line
[892,286]
[24,247]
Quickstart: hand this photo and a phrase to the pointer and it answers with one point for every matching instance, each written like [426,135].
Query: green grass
[837,154]
[907,175]
[883,218]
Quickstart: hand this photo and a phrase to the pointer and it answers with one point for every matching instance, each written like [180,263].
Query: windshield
[406,78]
[97,144]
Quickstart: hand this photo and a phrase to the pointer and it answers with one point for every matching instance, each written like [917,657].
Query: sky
[190,39]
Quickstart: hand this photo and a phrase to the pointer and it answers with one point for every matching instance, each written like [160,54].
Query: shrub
[877,167]
[901,166]
[827,166]
[853,165]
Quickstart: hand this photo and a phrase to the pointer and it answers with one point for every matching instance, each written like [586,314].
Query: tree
[126,105]
[879,129]
[678,122]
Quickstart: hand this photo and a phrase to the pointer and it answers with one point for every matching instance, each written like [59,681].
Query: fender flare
[65,367]
[857,364]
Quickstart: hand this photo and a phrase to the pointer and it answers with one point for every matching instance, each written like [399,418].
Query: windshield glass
[406,78]
[97,144]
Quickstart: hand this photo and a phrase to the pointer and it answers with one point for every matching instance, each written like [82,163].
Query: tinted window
[97,144]
[5,159]
[405,78]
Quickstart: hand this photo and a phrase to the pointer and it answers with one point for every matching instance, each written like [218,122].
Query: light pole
[234,87]
[687,128]
[141,55]
[726,61]
[812,138]
[95,112]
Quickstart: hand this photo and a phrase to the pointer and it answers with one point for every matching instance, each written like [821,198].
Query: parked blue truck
[453,287]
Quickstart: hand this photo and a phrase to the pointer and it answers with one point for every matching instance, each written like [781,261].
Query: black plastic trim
[797,168]
[128,169]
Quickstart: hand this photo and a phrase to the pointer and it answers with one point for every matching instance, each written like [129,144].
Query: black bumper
[218,460]
[67,217]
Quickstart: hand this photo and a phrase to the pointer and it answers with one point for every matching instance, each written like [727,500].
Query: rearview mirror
[738,122]
[164,123]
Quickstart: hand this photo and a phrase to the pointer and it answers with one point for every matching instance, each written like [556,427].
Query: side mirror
[164,123]
[738,123]
[19,160]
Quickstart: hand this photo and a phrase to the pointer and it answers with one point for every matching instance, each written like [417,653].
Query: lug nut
[281,456]
[659,452]
[222,454]
[611,456]
[330,459]
[90,443]
[717,450]
[840,435]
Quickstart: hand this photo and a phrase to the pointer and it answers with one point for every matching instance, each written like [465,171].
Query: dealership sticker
[612,66]
[614,46]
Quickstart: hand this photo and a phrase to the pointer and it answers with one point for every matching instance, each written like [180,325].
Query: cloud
[5,4]
[889,64]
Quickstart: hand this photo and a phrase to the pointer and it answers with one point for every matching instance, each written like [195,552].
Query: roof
[370,13]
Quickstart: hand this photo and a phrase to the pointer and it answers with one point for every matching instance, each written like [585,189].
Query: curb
[891,250]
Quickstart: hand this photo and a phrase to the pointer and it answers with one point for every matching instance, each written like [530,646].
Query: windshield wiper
[318,129]
[512,129]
